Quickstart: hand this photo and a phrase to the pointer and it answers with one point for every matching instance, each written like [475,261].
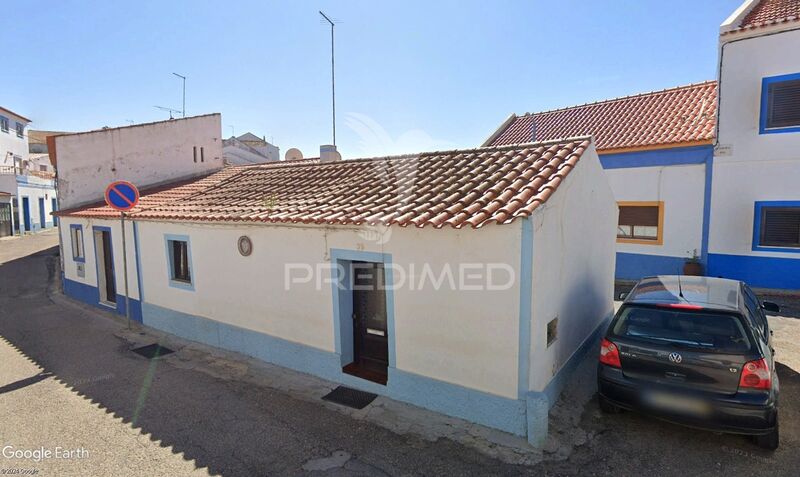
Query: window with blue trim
[76,235]
[779,227]
[179,261]
[780,104]
[4,124]
[20,129]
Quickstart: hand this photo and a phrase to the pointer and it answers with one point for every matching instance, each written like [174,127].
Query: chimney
[328,153]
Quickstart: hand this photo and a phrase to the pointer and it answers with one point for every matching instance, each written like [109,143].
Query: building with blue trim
[708,172]
[466,282]
[27,184]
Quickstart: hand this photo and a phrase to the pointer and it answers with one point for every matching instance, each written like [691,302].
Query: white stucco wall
[574,238]
[34,189]
[144,154]
[749,166]
[681,188]
[9,142]
[70,266]
[469,338]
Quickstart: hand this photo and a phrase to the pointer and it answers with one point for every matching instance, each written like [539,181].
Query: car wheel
[607,407]
[769,441]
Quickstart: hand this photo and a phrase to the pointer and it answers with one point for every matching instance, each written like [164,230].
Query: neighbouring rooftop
[681,116]
[770,12]
[462,188]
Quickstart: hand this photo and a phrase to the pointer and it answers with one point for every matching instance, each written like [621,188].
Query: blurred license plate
[662,401]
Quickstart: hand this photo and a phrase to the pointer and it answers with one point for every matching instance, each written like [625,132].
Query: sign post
[123,196]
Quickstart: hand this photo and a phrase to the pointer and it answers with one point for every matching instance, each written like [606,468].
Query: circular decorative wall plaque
[245,245]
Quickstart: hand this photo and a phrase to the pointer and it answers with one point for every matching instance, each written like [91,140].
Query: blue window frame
[3,124]
[20,129]
[76,238]
[179,261]
[776,226]
[780,104]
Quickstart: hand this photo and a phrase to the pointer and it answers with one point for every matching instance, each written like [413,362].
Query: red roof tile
[685,114]
[154,196]
[472,187]
[771,12]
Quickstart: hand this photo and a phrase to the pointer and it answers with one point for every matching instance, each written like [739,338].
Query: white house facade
[755,207]
[29,190]
[467,282]
[656,149]
[707,171]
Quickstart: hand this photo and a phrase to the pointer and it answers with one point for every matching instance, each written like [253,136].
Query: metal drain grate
[152,351]
[350,397]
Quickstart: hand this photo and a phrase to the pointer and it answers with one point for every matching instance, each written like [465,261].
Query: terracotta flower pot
[693,268]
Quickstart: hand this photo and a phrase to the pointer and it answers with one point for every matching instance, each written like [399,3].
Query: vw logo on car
[675,357]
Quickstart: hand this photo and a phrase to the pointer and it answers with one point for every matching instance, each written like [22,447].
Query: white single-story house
[468,282]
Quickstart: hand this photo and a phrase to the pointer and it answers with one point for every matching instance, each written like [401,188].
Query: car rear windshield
[717,332]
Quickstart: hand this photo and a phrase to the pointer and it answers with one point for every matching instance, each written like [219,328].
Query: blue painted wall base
[91,296]
[761,272]
[483,408]
[539,403]
[634,266]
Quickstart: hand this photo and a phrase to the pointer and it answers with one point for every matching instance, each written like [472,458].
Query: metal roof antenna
[680,289]
[333,76]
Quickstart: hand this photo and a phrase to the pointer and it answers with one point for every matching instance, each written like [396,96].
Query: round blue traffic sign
[122,195]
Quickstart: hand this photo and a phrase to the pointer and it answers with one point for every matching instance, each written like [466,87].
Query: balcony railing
[18,171]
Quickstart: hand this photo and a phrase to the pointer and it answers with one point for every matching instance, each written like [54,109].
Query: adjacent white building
[755,233]
[27,187]
[710,169]
[656,149]
[249,149]
[468,282]
[144,154]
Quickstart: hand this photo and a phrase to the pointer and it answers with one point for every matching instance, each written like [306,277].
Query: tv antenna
[333,76]
[169,110]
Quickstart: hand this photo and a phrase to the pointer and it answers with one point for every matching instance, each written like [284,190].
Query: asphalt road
[67,381]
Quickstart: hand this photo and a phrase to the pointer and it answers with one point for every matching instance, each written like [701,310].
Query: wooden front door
[370,333]
[107,283]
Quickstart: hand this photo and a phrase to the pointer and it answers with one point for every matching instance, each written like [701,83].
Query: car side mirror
[770,307]
[622,295]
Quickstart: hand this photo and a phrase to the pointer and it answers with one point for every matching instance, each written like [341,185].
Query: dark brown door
[371,340]
[108,264]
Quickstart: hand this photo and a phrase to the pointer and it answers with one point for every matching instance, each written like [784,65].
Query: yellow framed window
[641,222]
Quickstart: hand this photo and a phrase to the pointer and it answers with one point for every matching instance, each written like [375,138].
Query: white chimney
[328,153]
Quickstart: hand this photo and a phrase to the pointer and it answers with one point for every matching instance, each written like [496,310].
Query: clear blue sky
[411,75]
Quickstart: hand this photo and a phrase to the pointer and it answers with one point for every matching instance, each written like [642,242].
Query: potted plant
[693,265]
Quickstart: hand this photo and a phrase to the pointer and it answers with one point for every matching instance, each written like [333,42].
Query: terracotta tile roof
[681,115]
[771,12]
[155,196]
[472,187]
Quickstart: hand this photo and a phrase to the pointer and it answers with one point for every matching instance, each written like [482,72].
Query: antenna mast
[333,76]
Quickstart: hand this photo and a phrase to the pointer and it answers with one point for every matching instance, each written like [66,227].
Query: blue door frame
[26,214]
[42,217]
[54,207]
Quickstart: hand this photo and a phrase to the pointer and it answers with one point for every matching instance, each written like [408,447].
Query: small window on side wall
[180,271]
[76,238]
[3,124]
[779,226]
[641,222]
[780,104]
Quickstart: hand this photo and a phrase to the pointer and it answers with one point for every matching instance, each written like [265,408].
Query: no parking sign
[122,195]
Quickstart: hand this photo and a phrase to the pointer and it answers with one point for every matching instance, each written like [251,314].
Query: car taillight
[756,375]
[609,354]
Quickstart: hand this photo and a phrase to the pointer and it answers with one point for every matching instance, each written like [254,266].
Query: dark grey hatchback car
[695,351]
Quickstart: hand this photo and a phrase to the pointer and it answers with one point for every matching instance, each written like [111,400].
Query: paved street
[68,379]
